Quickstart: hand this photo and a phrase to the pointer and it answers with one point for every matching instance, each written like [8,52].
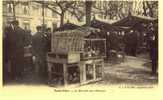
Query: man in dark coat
[39,45]
[113,41]
[6,62]
[153,44]
[48,39]
[15,38]
[131,41]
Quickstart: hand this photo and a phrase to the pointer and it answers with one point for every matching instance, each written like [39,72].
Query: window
[46,12]
[25,10]
[35,10]
[10,8]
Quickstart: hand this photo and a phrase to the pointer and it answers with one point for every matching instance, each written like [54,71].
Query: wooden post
[65,74]
[102,68]
[84,72]
[105,48]
[81,72]
[50,65]
[94,71]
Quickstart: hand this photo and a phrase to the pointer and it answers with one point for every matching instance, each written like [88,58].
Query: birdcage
[76,56]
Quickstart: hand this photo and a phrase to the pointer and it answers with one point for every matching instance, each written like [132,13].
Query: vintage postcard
[68,47]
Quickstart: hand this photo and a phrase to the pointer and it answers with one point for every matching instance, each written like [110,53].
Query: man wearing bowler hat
[15,44]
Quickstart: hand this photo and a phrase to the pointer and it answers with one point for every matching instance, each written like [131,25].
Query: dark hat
[15,22]
[38,27]
[48,29]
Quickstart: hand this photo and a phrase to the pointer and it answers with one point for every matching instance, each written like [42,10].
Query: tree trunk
[14,11]
[150,9]
[88,5]
[144,9]
[106,14]
[62,19]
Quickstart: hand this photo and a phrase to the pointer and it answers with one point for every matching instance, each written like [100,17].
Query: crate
[63,73]
[78,73]
[70,57]
[91,70]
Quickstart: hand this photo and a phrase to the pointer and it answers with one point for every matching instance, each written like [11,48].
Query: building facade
[29,14]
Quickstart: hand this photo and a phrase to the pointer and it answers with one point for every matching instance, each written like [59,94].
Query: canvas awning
[67,26]
[132,20]
[80,32]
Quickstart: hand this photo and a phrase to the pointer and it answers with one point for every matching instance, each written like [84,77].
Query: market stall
[76,56]
[66,26]
[139,25]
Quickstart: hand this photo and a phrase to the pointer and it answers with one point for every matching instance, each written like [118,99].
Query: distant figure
[113,41]
[39,52]
[28,37]
[131,42]
[28,51]
[48,39]
[15,42]
[153,44]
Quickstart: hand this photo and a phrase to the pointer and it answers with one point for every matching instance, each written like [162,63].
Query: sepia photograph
[62,43]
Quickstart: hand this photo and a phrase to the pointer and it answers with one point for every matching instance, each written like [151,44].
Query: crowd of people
[131,41]
[127,42]
[152,40]
[22,51]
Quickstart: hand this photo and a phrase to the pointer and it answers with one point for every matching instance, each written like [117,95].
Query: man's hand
[34,58]
[29,46]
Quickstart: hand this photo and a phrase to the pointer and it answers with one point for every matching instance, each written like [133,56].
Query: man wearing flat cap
[39,44]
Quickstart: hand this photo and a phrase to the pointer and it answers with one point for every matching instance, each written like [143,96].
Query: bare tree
[108,9]
[78,10]
[113,9]
[151,6]
[59,7]
[120,9]
[144,9]
[88,6]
